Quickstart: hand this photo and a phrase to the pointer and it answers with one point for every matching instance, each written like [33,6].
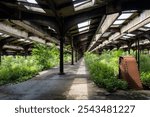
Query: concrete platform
[75,84]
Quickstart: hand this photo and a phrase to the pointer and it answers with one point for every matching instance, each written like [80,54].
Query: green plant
[145,77]
[14,69]
[144,63]
[145,69]
[46,56]
[18,68]
[114,84]
[104,69]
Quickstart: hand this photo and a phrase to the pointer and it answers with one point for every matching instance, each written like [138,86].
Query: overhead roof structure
[86,25]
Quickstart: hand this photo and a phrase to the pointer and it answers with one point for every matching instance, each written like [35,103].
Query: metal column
[72,57]
[138,54]
[61,56]
[76,54]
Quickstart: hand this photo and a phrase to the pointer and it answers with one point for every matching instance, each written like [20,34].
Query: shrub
[144,63]
[145,69]
[104,70]
[114,84]
[46,56]
[16,69]
[145,77]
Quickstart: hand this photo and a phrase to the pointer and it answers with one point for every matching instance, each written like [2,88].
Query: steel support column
[138,46]
[76,54]
[26,51]
[129,48]
[138,54]
[61,55]
[72,56]
[72,52]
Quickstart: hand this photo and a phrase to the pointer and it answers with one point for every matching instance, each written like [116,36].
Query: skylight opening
[130,35]
[83,39]
[21,40]
[115,26]
[80,3]
[5,35]
[125,46]
[32,8]
[130,11]
[24,40]
[147,25]
[146,41]
[125,15]
[32,1]
[126,37]
[50,28]
[83,4]
[84,26]
[144,29]
[118,22]
[122,18]
[27,41]
[35,9]
[83,29]
[1,33]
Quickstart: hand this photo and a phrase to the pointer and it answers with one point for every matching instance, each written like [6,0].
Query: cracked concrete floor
[75,84]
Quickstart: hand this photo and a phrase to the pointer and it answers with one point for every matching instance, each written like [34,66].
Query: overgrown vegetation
[104,70]
[46,56]
[67,55]
[18,68]
[145,69]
